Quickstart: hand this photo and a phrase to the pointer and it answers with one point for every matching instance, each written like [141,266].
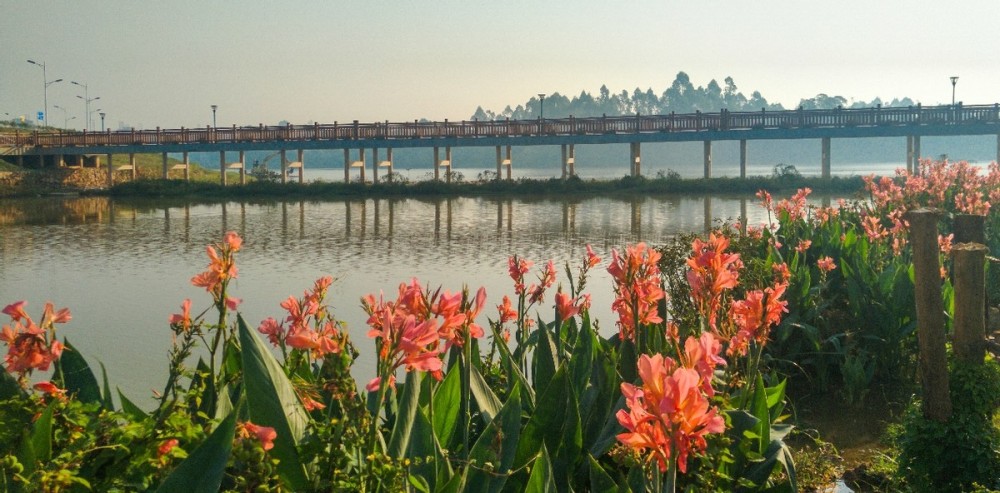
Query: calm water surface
[122,267]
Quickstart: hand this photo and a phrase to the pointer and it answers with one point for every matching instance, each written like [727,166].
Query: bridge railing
[690,122]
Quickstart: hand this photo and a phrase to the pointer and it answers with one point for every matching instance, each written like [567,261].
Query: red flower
[182,320]
[638,289]
[166,447]
[264,434]
[712,270]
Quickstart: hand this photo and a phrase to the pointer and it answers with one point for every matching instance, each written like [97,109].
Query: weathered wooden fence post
[930,313]
[969,279]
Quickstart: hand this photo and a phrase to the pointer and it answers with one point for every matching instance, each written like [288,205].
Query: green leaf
[203,470]
[129,408]
[600,481]
[542,477]
[609,434]
[106,401]
[547,421]
[41,436]
[409,402]
[271,401]
[78,378]
[498,445]
[8,386]
[447,403]
[423,444]
[545,359]
[487,401]
[455,485]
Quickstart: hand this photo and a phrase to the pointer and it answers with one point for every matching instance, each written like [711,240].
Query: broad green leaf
[542,477]
[545,359]
[409,402]
[609,434]
[600,481]
[271,401]
[203,470]
[567,457]
[758,406]
[455,485]
[582,361]
[8,386]
[41,436]
[129,408]
[487,401]
[424,444]
[78,378]
[514,371]
[106,399]
[447,403]
[547,420]
[498,445]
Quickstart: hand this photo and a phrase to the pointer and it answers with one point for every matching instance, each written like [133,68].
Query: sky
[163,64]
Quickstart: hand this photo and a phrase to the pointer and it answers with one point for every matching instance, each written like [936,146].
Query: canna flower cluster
[754,317]
[638,288]
[409,330]
[667,418]
[308,326]
[31,346]
[263,434]
[711,272]
[221,269]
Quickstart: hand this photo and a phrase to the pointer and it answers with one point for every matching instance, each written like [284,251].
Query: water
[123,267]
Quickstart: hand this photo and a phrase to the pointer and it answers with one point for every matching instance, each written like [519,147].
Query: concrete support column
[635,159]
[187,167]
[79,160]
[222,166]
[131,163]
[708,158]
[916,154]
[510,163]
[909,154]
[111,173]
[500,159]
[572,160]
[388,157]
[563,161]
[825,166]
[364,164]
[347,165]
[743,158]
[447,157]
[302,165]
[437,164]
[165,170]
[375,165]
[243,168]
[284,167]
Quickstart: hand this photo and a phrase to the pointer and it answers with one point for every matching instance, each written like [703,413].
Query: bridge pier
[164,155]
[501,163]
[388,162]
[243,168]
[222,167]
[568,160]
[708,158]
[743,158]
[111,172]
[299,164]
[284,167]
[187,167]
[438,163]
[825,151]
[916,153]
[909,154]
[375,165]
[635,159]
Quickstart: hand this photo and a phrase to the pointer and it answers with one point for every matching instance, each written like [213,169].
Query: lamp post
[954,80]
[102,120]
[45,90]
[56,106]
[541,98]
[98,110]
[87,99]
[214,107]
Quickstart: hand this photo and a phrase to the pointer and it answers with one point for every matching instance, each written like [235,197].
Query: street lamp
[86,97]
[98,110]
[45,90]
[954,80]
[102,120]
[541,98]
[56,106]
[214,107]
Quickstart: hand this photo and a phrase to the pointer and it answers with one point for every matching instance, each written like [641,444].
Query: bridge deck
[724,125]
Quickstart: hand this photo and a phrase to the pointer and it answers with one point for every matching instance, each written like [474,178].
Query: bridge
[354,138]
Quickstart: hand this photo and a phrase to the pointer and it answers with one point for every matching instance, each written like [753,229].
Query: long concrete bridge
[914,122]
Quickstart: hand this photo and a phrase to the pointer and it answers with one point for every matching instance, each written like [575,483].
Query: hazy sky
[164,63]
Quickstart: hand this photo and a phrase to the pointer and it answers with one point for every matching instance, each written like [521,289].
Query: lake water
[123,266]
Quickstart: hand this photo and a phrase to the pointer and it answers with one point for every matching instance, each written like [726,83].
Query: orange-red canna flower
[711,271]
[182,320]
[264,434]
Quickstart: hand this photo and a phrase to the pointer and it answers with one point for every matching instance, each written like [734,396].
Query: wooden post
[969,279]
[969,228]
[708,159]
[936,402]
[743,158]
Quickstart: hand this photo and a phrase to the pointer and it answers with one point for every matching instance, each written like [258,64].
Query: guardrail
[689,122]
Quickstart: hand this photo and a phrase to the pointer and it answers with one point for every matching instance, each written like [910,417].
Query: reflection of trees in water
[54,210]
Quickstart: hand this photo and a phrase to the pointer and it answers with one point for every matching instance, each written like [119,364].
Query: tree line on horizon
[681,97]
